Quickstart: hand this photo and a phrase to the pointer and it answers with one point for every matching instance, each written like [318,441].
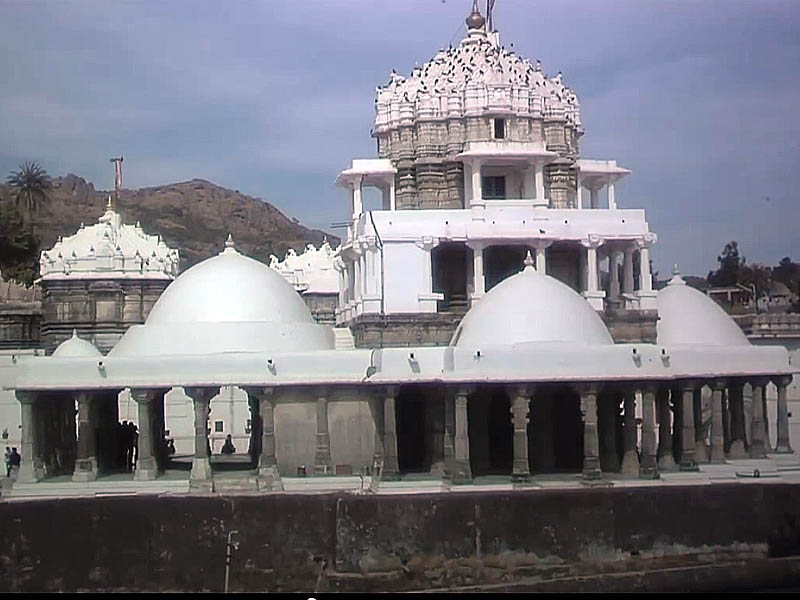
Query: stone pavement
[776,468]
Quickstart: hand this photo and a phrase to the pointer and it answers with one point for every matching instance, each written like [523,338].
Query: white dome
[227,303]
[531,307]
[688,316]
[76,347]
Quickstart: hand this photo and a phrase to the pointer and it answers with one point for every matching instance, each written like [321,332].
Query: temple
[492,322]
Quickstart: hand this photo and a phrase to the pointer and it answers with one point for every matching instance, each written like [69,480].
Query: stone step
[343,338]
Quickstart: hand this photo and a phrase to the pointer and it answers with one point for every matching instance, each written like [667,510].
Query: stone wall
[322,307]
[319,542]
[404,329]
[19,324]
[631,326]
[100,309]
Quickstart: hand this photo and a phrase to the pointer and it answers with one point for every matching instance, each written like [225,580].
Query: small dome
[76,347]
[227,303]
[531,307]
[688,316]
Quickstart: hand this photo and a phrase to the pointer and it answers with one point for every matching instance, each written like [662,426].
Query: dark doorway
[491,433]
[501,262]
[412,444]
[568,425]
[450,262]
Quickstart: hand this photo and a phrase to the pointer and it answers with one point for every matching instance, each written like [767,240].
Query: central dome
[228,303]
[531,307]
[229,287]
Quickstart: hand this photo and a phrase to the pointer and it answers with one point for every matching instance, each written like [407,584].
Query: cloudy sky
[274,98]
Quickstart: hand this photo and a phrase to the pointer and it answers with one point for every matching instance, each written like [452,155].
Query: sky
[698,98]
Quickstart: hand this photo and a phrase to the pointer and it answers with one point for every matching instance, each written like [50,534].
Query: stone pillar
[591,265]
[146,465]
[357,203]
[726,422]
[86,461]
[627,270]
[267,476]
[666,460]
[477,183]
[539,175]
[783,446]
[591,450]
[31,469]
[648,468]
[322,455]
[462,473]
[607,424]
[645,281]
[688,461]
[612,200]
[767,442]
[479,282]
[434,417]
[391,467]
[757,448]
[738,448]
[541,256]
[630,458]
[700,451]
[376,408]
[449,434]
[200,477]
[613,267]
[717,436]
[520,410]
[594,196]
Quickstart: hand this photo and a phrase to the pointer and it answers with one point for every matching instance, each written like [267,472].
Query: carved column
[591,450]
[783,446]
[666,460]
[146,466]
[434,416]
[462,473]
[700,452]
[268,477]
[757,448]
[520,409]
[630,458]
[736,402]
[322,455]
[688,461]
[449,434]
[627,270]
[767,443]
[31,469]
[86,462]
[717,435]
[376,408]
[391,467]
[200,477]
[648,468]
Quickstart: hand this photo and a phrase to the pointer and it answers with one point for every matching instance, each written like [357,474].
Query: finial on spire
[675,270]
[676,277]
[110,202]
[229,245]
[528,262]
[475,19]
[74,333]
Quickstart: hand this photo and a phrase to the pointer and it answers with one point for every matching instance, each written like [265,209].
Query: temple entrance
[568,427]
[501,262]
[413,447]
[450,262]
[491,433]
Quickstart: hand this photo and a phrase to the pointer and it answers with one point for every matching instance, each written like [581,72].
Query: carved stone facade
[101,310]
[475,92]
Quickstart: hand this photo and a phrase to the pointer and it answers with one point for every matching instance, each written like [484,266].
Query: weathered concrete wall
[340,541]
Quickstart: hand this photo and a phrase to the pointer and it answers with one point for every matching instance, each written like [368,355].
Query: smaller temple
[313,276]
[102,280]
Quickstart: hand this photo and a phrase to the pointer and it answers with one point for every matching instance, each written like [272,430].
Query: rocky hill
[194,216]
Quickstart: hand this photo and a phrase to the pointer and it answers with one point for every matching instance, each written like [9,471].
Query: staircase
[343,338]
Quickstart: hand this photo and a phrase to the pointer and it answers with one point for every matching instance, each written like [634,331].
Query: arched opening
[491,433]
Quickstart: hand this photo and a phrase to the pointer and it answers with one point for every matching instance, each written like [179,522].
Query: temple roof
[311,271]
[109,249]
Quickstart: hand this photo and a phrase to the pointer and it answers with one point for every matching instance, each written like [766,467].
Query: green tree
[30,186]
[730,266]
[19,248]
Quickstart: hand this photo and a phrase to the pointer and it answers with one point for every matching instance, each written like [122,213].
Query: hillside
[194,216]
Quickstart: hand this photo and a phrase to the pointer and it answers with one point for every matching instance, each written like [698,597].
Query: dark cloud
[697,98]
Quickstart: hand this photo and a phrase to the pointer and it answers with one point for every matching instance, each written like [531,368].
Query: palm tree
[30,184]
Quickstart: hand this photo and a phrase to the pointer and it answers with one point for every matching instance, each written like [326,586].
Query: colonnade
[680,442]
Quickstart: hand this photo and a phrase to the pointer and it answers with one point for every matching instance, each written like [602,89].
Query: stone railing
[770,324]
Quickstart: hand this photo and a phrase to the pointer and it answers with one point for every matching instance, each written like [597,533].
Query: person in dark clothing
[15,459]
[228,447]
